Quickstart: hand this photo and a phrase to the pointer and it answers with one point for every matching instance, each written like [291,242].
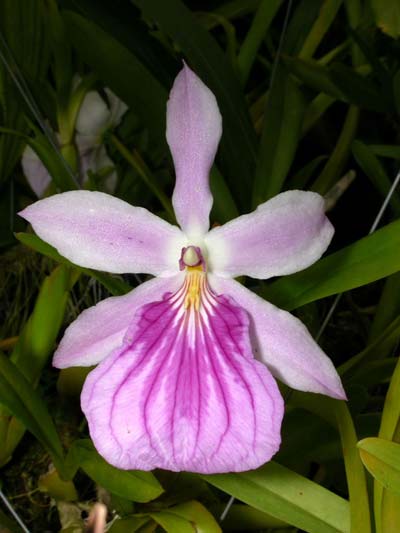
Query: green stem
[357,484]
[135,160]
[325,18]
[334,167]
[261,22]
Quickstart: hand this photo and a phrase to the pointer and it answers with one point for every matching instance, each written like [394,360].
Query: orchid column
[185,380]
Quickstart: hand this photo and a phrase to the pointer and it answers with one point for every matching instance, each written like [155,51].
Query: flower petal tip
[24,213]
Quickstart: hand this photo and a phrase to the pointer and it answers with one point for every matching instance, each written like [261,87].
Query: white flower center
[191,257]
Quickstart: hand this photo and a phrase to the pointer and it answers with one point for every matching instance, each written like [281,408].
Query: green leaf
[388,307]
[303,176]
[357,485]
[121,20]
[187,517]
[314,75]
[315,110]
[245,518]
[265,14]
[36,342]
[22,26]
[120,70]
[282,127]
[373,169]
[224,207]
[9,525]
[25,403]
[129,484]
[396,91]
[340,82]
[336,163]
[131,524]
[386,504]
[300,25]
[386,150]
[326,16]
[287,496]
[387,16]
[360,90]
[377,349]
[137,163]
[391,410]
[60,171]
[116,286]
[382,459]
[35,345]
[367,260]
[238,144]
[374,373]
[57,488]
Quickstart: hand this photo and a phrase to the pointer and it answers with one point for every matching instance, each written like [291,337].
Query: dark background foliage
[309,91]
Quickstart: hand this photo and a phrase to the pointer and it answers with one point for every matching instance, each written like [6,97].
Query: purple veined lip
[185,393]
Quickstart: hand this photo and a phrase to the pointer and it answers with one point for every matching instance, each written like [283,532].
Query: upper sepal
[194,128]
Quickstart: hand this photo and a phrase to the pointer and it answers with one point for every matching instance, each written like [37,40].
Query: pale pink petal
[283,343]
[93,116]
[101,329]
[117,108]
[286,234]
[194,128]
[96,230]
[35,172]
[186,393]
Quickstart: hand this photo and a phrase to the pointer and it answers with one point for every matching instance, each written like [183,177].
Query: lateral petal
[101,329]
[283,343]
[93,116]
[185,393]
[194,128]
[99,231]
[286,234]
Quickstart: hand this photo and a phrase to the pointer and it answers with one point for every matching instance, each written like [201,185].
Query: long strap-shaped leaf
[25,403]
[288,496]
[386,504]
[355,474]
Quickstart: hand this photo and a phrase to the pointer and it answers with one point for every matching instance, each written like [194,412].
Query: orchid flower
[93,120]
[186,360]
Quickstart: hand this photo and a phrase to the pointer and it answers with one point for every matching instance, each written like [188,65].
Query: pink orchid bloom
[187,359]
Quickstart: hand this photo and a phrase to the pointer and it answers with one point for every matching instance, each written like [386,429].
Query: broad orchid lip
[184,392]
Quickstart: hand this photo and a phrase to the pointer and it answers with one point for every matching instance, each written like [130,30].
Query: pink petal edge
[101,329]
[283,343]
[284,235]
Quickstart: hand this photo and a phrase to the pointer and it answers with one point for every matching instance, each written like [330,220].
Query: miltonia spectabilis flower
[95,117]
[187,359]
